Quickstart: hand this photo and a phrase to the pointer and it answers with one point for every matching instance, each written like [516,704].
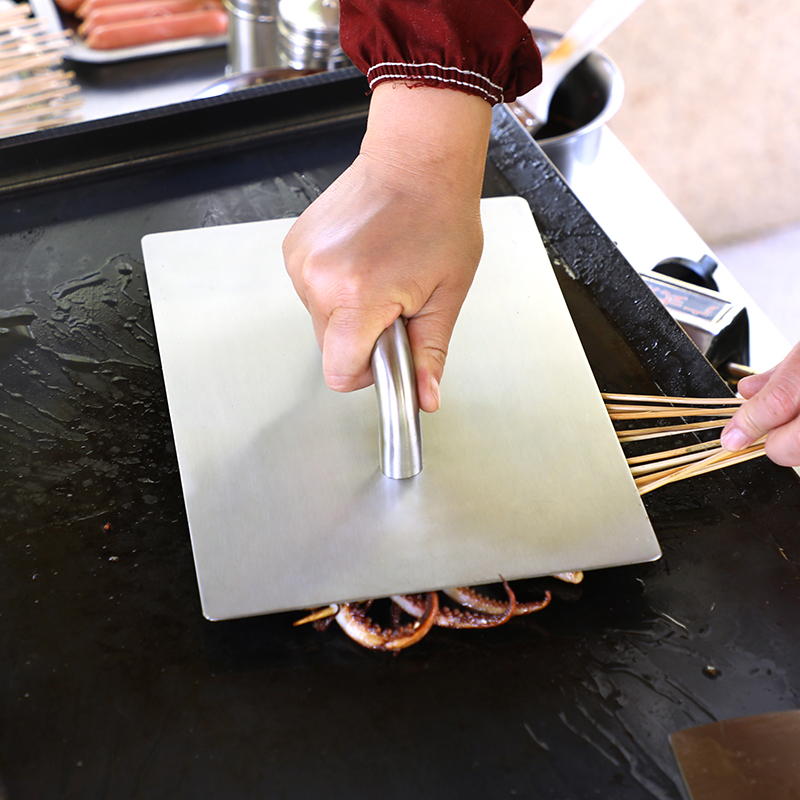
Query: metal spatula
[288,507]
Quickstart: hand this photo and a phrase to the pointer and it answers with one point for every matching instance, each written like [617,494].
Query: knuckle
[340,284]
[314,270]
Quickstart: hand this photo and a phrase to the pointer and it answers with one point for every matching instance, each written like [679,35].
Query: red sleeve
[481,47]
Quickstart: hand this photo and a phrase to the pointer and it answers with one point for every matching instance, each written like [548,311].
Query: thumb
[429,336]
[744,428]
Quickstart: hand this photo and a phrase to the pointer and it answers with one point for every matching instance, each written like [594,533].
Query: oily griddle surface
[114,686]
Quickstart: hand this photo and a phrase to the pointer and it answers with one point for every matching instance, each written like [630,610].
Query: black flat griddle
[112,685]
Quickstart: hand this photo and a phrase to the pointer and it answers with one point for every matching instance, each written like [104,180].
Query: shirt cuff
[432,74]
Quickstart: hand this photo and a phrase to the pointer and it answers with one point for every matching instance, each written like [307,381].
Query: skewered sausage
[132,33]
[142,9]
[68,5]
[85,7]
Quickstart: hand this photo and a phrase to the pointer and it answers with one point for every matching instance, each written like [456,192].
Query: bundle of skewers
[644,421]
[35,91]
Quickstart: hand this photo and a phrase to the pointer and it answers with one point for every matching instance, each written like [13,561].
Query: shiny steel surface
[309,34]
[585,101]
[244,80]
[398,407]
[584,35]
[252,35]
[286,504]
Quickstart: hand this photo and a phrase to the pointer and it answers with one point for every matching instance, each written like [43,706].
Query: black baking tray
[113,685]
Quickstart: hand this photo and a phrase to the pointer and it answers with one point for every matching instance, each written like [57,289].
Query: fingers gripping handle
[400,436]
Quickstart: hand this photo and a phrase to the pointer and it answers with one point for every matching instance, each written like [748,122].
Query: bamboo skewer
[45,97]
[662,412]
[10,15]
[661,464]
[659,468]
[718,460]
[21,31]
[60,38]
[36,83]
[35,93]
[33,126]
[30,62]
[40,46]
[30,28]
[678,451]
[14,16]
[642,434]
[661,399]
[42,111]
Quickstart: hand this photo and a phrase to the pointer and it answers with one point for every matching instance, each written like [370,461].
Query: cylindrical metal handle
[400,439]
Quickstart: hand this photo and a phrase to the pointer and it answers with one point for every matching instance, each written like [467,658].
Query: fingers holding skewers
[772,409]
[658,419]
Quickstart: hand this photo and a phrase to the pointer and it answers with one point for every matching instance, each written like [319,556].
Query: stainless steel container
[252,35]
[308,34]
[586,99]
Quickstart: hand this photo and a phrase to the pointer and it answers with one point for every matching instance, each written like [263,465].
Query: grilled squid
[475,610]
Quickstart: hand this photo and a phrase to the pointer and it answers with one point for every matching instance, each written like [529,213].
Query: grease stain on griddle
[70,395]
[15,330]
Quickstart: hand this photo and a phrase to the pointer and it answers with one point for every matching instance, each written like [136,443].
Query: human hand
[398,234]
[772,409]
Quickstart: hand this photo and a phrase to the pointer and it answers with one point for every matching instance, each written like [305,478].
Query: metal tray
[56,21]
[114,686]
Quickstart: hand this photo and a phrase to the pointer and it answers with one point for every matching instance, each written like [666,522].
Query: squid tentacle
[353,620]
[479,611]
[470,598]
[456,618]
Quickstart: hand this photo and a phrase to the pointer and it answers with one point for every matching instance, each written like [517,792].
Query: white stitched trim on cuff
[482,83]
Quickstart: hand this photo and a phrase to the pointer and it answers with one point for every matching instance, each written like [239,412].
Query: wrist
[433,137]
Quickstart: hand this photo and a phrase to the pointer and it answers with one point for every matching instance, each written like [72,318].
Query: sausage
[132,33]
[85,7]
[142,9]
[69,6]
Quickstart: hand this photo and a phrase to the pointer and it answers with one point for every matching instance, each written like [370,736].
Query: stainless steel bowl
[308,34]
[586,99]
[252,35]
